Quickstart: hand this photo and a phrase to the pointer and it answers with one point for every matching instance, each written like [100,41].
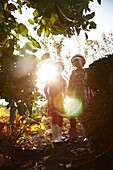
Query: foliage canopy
[49,17]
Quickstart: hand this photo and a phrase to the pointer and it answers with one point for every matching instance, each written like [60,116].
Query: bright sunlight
[47,72]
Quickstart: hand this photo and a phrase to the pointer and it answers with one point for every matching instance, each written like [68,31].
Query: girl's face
[78,63]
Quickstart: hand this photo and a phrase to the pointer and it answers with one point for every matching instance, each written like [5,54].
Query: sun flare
[47,72]
[73,107]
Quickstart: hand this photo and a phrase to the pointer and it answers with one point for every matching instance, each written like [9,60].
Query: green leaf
[86,35]
[28,46]
[54,17]
[47,33]
[31,21]
[36,13]
[99,1]
[90,16]
[22,29]
[19,2]
[92,25]
[35,43]
[34,50]
[11,7]
[39,32]
[5,6]
[84,26]
[2,18]
[35,28]
[43,21]
[77,30]
[17,46]
[66,8]
[19,10]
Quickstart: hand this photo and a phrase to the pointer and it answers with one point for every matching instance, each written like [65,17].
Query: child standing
[55,91]
[78,88]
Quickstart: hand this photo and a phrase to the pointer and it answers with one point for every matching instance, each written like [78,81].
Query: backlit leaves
[31,21]
[34,42]
[11,7]
[22,29]
[39,32]
[19,10]
[99,1]
[53,18]
[61,17]
[44,21]
[92,25]
[36,13]
[28,46]
[90,16]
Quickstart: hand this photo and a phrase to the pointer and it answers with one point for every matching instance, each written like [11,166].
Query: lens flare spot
[58,103]
[73,107]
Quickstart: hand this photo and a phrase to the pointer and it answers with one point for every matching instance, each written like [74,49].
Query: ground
[76,154]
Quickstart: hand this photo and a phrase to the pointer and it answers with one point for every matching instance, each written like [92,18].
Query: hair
[78,55]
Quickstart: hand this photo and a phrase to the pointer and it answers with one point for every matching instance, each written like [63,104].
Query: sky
[103,17]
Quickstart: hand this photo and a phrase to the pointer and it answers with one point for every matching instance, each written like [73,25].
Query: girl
[55,91]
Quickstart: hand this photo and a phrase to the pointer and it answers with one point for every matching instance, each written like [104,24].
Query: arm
[46,90]
[71,84]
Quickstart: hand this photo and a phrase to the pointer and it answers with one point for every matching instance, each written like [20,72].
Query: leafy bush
[20,134]
[98,118]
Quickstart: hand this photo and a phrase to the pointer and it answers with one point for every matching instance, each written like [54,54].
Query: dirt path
[75,154]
